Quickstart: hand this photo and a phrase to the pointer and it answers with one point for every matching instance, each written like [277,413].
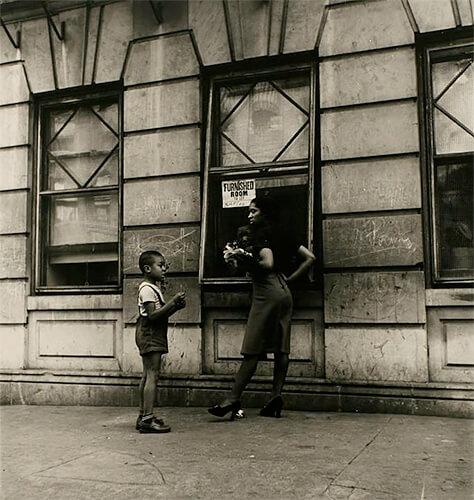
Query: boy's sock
[147,419]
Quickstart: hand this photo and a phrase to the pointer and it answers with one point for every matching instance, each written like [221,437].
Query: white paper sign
[238,193]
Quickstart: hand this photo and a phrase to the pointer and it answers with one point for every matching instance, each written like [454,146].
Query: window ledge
[74,302]
[450,297]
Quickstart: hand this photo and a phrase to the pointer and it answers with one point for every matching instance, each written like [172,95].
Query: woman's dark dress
[269,322]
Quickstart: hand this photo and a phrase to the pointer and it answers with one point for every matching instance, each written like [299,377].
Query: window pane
[290,194]
[82,144]
[84,219]
[449,136]
[263,121]
[83,240]
[107,174]
[454,203]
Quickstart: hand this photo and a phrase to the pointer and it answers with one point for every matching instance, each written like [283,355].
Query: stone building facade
[128,125]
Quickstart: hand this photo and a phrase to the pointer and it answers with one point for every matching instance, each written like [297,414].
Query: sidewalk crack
[374,437]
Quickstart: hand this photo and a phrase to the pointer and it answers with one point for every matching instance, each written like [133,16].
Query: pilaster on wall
[14,194]
[371,195]
[162,182]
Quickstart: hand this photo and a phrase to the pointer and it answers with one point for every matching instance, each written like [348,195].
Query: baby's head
[152,264]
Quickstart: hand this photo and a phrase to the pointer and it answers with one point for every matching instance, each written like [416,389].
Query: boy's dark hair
[147,258]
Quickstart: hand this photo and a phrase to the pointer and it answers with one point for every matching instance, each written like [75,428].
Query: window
[78,193]
[258,143]
[449,78]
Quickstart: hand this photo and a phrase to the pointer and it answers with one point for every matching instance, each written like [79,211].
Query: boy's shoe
[154,425]
[137,424]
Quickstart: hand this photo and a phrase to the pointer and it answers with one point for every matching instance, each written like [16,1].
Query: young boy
[151,334]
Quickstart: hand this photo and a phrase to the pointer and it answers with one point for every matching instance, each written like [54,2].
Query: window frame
[450,41]
[210,139]
[42,105]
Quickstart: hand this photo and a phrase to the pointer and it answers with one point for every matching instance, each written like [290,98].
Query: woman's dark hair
[147,258]
[267,206]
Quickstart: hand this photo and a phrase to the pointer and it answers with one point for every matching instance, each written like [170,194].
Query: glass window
[78,195]
[450,133]
[259,143]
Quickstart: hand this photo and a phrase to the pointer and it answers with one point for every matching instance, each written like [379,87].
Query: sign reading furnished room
[237,193]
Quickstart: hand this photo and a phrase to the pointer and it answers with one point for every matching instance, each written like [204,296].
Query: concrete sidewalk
[95,453]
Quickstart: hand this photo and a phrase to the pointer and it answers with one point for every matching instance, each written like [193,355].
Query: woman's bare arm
[307,259]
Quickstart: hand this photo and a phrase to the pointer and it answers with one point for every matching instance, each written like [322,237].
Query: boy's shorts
[151,337]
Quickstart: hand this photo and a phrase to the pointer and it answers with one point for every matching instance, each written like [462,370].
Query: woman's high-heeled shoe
[272,408]
[222,411]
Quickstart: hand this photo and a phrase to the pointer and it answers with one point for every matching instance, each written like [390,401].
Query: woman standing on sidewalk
[268,251]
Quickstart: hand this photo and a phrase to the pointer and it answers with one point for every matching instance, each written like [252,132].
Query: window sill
[449,297]
[74,302]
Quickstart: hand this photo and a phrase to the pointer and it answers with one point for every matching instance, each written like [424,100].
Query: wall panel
[161,58]
[15,89]
[384,297]
[369,131]
[13,207]
[365,26]
[12,353]
[433,15]
[161,201]
[68,52]
[162,105]
[179,245]
[8,52]
[13,304]
[360,186]
[373,241]
[163,152]
[14,125]
[14,168]
[377,76]
[36,51]
[302,24]
[210,30]
[379,354]
[13,256]
[116,32]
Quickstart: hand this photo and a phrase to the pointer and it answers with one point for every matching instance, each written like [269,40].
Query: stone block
[190,314]
[17,88]
[14,168]
[152,60]
[14,125]
[13,207]
[130,361]
[179,245]
[13,305]
[369,131]
[36,51]
[173,17]
[184,356]
[250,21]
[68,52]
[8,53]
[377,354]
[162,105]
[360,26]
[161,201]
[373,241]
[433,15]
[276,25]
[80,340]
[363,186]
[12,353]
[163,152]
[90,61]
[13,256]
[207,20]
[377,76]
[384,297]
[451,344]
[302,24]
[116,32]
[465,12]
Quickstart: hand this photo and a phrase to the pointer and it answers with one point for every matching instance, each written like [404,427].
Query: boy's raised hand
[179,300]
